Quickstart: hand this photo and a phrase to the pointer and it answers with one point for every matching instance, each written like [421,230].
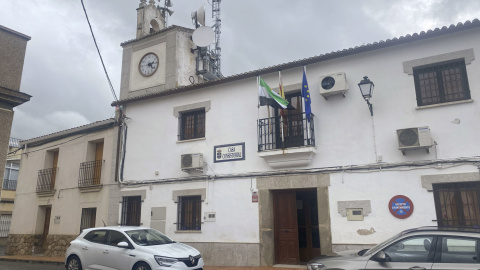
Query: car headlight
[165,261]
[315,266]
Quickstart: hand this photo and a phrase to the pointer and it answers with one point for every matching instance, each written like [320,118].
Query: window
[457,204]
[192,124]
[88,218]
[98,236]
[414,249]
[10,176]
[115,237]
[441,82]
[131,207]
[189,213]
[458,250]
[5,221]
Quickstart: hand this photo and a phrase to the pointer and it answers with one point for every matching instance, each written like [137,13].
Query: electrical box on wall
[209,217]
[355,214]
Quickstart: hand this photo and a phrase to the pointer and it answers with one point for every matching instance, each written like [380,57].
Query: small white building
[209,167]
[248,187]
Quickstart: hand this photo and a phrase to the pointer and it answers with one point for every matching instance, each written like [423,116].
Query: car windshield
[377,247]
[148,237]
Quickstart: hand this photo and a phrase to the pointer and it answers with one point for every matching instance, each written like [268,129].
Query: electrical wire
[99,54]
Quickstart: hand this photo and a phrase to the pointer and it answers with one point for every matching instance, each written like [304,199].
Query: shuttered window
[189,213]
[88,218]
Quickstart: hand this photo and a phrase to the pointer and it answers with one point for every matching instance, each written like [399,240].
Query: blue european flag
[306,96]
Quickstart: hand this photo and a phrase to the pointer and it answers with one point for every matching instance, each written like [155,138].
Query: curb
[31,261]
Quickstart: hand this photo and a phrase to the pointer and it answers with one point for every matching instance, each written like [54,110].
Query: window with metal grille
[441,82]
[5,221]
[131,209]
[88,218]
[192,125]
[10,176]
[457,204]
[189,213]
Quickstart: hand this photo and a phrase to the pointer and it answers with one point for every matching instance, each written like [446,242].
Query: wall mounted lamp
[366,88]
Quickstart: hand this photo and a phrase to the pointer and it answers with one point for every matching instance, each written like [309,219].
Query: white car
[129,248]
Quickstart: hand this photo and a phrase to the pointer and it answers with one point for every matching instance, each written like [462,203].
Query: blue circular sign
[400,206]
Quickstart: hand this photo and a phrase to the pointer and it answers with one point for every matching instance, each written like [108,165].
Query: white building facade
[206,165]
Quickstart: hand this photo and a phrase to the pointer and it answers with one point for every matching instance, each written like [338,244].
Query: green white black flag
[269,97]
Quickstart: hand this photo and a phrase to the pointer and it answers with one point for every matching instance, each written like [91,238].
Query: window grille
[10,176]
[189,213]
[90,173]
[5,221]
[442,82]
[131,209]
[46,179]
[457,204]
[88,218]
[192,125]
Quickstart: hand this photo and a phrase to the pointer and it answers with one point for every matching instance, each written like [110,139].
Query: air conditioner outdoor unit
[333,84]
[192,162]
[414,138]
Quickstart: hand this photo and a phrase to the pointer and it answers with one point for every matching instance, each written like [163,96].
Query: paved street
[5,265]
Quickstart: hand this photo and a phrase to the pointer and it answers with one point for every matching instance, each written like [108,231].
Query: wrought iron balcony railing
[46,179]
[285,132]
[9,184]
[90,173]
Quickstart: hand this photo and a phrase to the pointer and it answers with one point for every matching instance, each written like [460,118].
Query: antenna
[203,36]
[216,26]
[166,11]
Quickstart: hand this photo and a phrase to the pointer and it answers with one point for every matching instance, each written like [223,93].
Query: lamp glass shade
[366,87]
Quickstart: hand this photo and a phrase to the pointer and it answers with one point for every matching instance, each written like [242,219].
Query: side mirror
[123,245]
[361,252]
[380,257]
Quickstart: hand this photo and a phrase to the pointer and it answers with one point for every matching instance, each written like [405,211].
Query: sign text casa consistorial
[229,152]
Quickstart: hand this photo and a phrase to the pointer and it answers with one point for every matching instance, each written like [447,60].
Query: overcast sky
[64,75]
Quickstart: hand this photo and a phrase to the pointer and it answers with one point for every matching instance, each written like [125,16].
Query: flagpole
[304,109]
[281,114]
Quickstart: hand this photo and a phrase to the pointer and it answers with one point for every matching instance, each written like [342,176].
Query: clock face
[148,64]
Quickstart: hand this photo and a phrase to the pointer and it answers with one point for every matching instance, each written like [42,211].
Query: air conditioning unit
[414,138]
[333,84]
[192,162]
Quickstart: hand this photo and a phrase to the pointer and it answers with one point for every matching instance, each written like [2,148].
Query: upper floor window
[441,82]
[192,124]
[10,176]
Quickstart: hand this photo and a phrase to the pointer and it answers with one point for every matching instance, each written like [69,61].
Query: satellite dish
[201,15]
[203,36]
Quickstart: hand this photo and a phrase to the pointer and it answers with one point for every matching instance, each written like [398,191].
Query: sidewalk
[60,261]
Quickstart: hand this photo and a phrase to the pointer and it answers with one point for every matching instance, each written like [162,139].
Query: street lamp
[366,88]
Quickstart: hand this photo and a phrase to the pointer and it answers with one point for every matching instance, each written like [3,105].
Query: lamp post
[366,88]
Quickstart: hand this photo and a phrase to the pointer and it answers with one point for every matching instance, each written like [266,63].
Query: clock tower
[159,58]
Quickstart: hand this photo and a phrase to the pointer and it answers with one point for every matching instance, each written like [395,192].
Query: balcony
[287,141]
[46,181]
[89,175]
[9,184]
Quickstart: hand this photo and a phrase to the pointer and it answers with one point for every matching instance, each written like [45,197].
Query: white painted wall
[344,136]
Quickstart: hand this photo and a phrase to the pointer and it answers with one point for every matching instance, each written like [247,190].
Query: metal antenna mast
[218,23]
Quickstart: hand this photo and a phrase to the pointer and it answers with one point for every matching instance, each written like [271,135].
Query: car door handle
[417,268]
[85,248]
[131,255]
[105,251]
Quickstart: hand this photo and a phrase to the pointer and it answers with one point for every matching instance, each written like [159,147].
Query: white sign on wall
[229,152]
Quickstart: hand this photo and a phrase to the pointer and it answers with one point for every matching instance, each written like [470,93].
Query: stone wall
[27,244]
[23,244]
[57,245]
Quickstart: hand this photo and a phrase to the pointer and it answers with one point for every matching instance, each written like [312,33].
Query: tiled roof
[315,59]
[159,32]
[88,128]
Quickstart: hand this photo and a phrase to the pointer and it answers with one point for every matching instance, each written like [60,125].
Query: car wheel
[74,263]
[142,266]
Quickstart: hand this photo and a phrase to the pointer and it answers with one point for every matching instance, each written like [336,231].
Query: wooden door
[97,172]
[46,224]
[54,172]
[286,229]
[308,231]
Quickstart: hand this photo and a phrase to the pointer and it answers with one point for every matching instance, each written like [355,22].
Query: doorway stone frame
[266,185]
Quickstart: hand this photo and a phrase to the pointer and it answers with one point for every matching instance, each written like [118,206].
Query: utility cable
[99,54]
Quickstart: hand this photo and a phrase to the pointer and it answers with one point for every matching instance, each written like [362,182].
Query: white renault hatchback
[129,248]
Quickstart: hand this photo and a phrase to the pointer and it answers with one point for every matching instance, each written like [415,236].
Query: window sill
[188,231]
[444,104]
[46,193]
[93,188]
[192,140]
